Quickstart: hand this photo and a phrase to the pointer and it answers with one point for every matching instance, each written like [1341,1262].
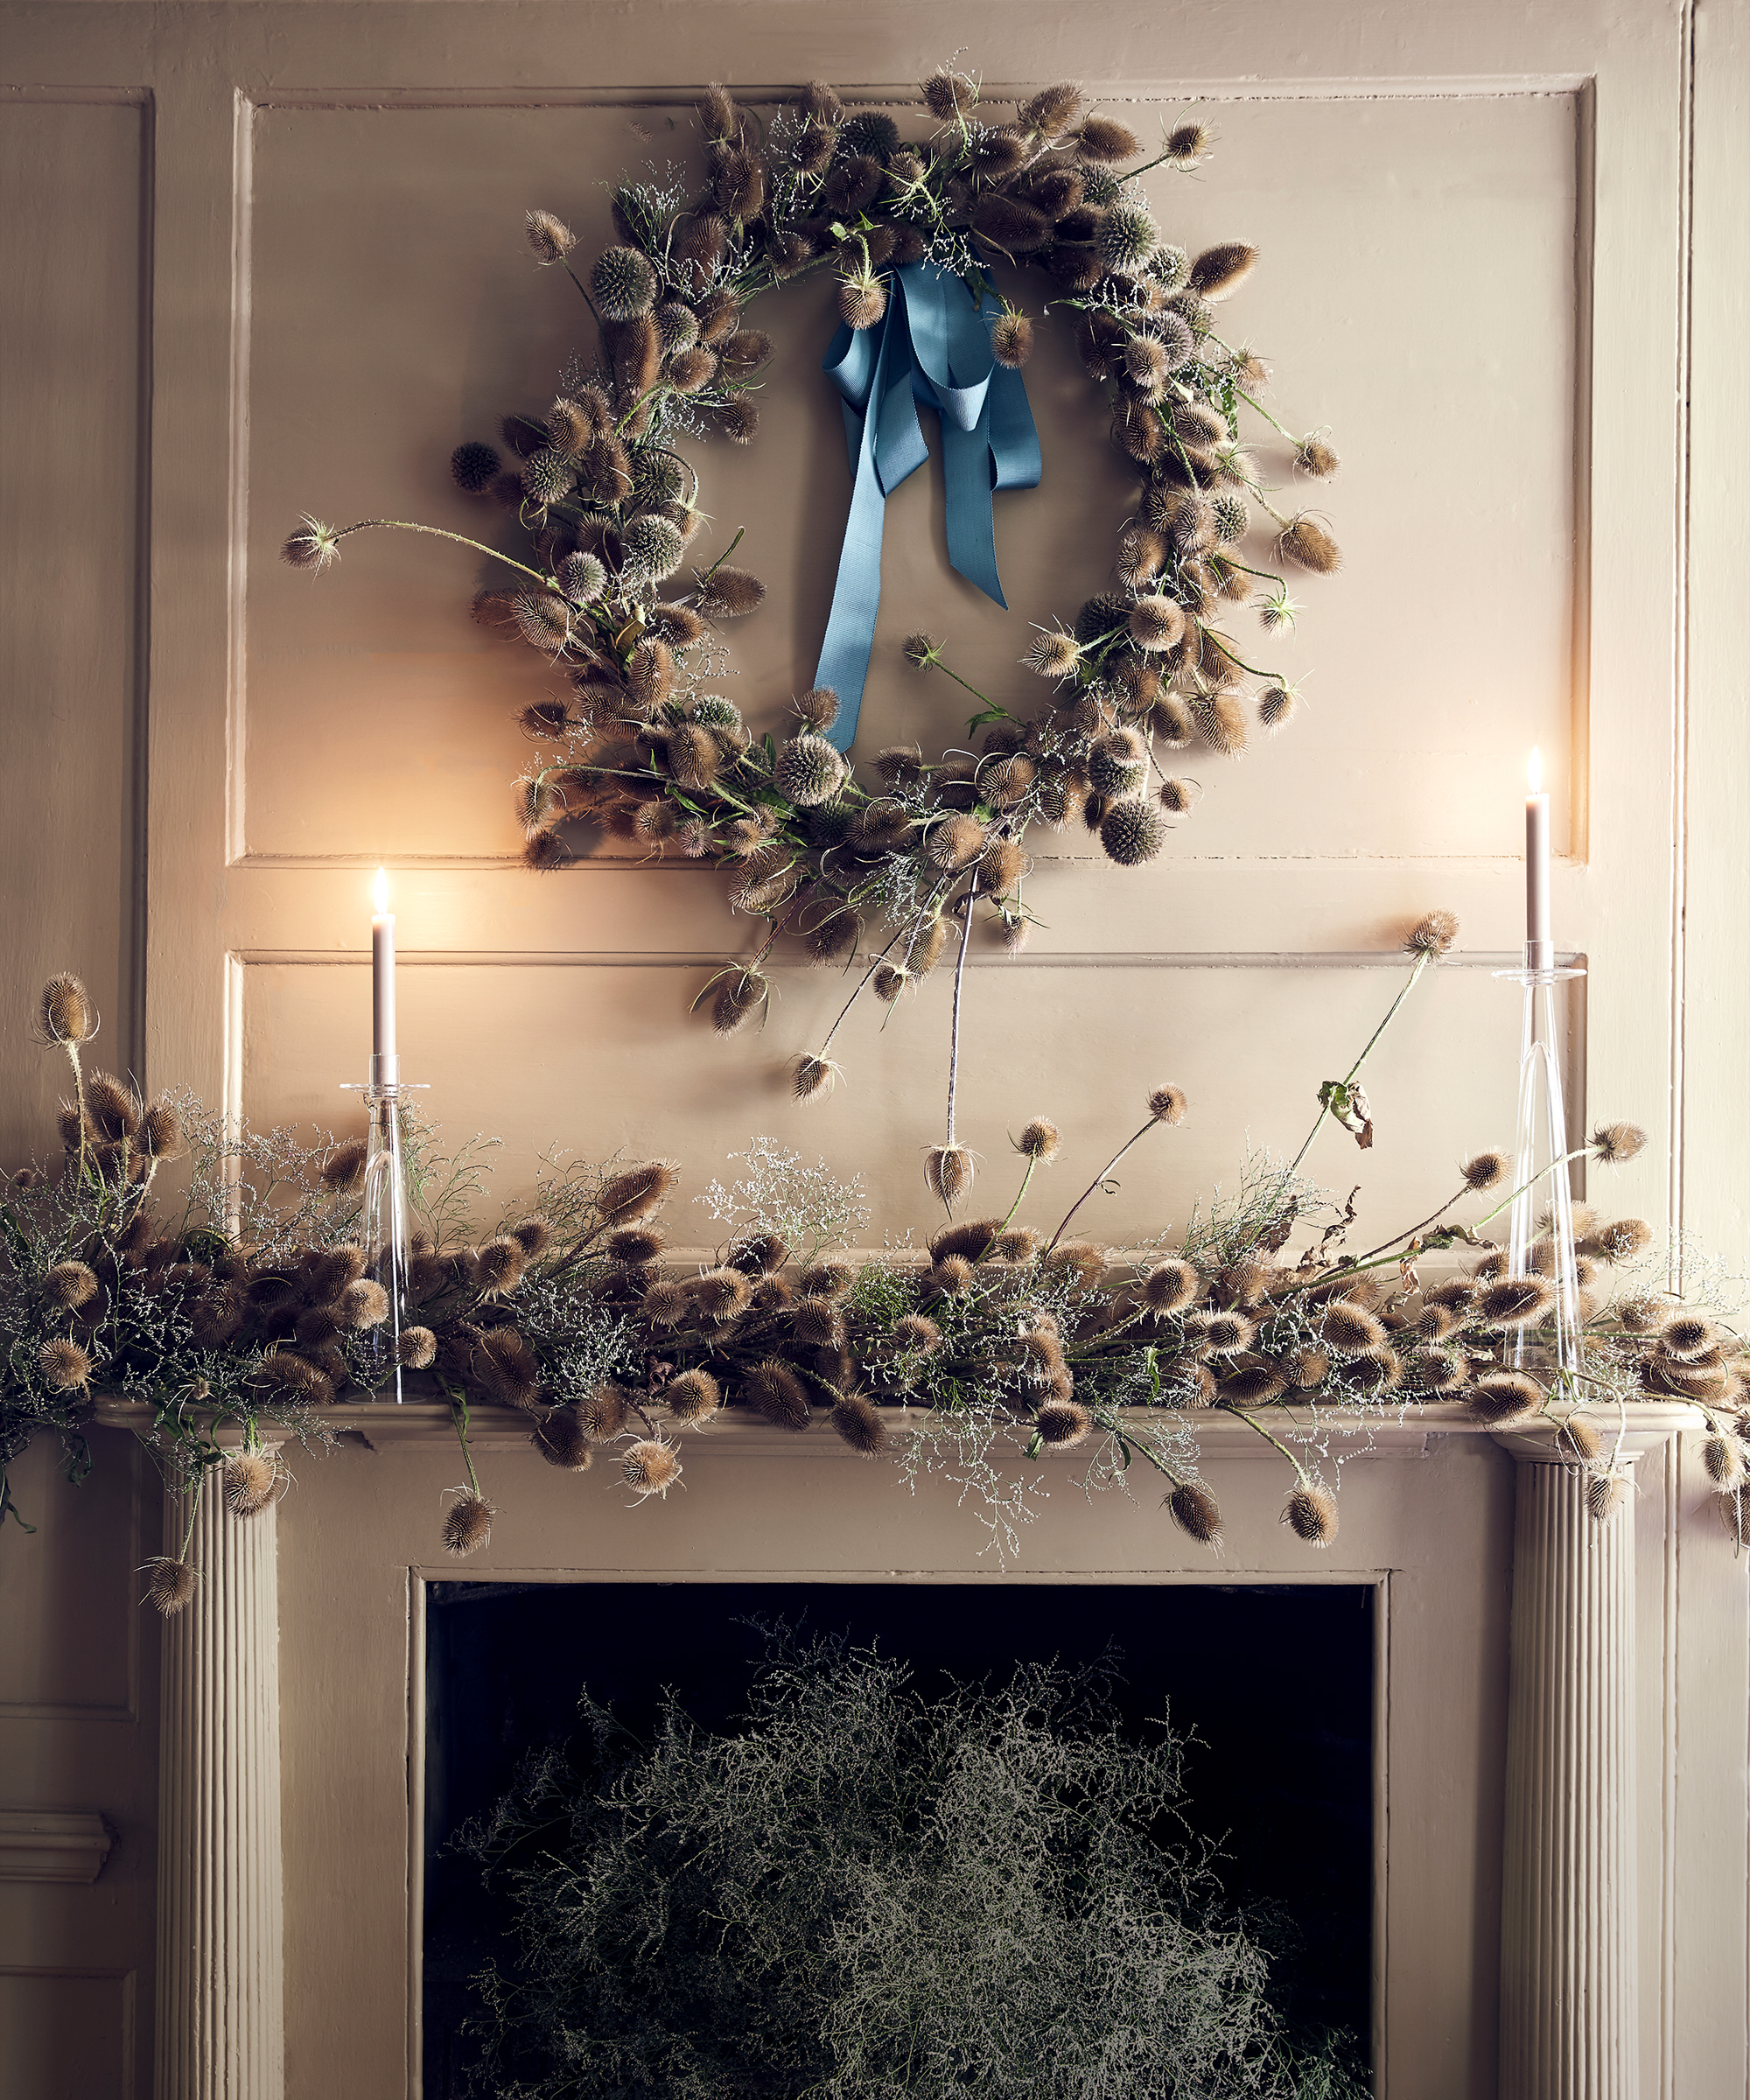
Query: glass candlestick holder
[385,1225]
[1542,1157]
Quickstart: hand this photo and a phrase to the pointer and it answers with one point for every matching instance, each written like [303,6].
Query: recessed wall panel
[1417,297]
[588,1058]
[71,380]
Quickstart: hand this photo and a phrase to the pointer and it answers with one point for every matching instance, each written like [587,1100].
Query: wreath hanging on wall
[639,747]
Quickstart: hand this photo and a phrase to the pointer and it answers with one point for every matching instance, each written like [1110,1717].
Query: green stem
[193,1511]
[438,533]
[1097,1179]
[959,981]
[1228,1407]
[1420,965]
[1222,643]
[960,681]
[1020,1193]
[459,1414]
[724,556]
[875,964]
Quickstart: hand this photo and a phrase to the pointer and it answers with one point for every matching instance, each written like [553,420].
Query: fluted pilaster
[1568,2010]
[221,2031]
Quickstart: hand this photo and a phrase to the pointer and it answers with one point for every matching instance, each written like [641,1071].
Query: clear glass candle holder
[385,1226]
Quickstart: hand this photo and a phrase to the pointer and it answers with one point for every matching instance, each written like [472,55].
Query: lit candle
[1539,954]
[382,985]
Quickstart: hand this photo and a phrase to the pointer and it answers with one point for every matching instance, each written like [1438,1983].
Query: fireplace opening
[1270,1687]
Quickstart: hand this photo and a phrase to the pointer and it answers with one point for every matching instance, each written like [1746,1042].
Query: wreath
[639,747]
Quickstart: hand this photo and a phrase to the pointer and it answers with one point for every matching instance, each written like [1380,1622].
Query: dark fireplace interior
[1272,1685]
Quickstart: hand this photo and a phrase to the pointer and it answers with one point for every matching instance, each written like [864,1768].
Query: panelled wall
[265,260]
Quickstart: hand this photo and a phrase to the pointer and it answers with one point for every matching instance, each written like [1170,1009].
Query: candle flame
[1534,772]
[380,893]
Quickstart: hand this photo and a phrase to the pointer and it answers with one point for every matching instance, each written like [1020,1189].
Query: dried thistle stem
[953,1027]
[1415,969]
[1099,1180]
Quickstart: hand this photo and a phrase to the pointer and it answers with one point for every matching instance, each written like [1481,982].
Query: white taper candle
[382,978]
[1540,953]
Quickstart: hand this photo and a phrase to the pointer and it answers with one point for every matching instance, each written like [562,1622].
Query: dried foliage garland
[641,747]
[240,1301]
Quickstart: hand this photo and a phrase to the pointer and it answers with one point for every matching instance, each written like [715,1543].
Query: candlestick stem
[384,1228]
[1543,1161]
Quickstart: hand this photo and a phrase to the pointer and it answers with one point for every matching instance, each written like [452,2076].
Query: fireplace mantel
[1507,1650]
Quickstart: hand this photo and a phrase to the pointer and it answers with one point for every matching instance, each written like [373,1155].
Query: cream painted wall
[263,258]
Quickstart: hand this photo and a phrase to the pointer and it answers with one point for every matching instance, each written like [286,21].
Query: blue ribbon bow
[932,346]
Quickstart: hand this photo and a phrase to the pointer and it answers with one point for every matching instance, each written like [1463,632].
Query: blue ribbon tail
[933,345]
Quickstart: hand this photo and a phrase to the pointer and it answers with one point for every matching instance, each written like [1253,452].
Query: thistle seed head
[467,1522]
[1613,1144]
[858,1421]
[170,1583]
[65,1367]
[551,238]
[1305,542]
[1196,1512]
[1504,1397]
[948,1172]
[1039,1140]
[69,1285]
[1311,1514]
[1433,935]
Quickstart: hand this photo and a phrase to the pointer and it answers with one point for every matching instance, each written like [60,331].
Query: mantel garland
[240,1303]
[639,744]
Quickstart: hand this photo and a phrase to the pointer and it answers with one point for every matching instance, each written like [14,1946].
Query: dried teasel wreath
[228,1298]
[643,749]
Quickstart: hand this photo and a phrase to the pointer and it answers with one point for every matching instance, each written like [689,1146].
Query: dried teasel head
[1504,1397]
[65,1366]
[1485,1171]
[1196,1512]
[623,1197]
[1350,1327]
[1306,543]
[1433,935]
[693,1397]
[1516,1301]
[362,1305]
[69,1283]
[1081,1264]
[1168,1104]
[859,1422]
[1615,1143]
[1039,1140]
[249,1481]
[1062,1424]
[500,1266]
[551,238]
[650,1466]
[343,1171]
[1170,1286]
[65,1012]
[1012,339]
[1688,1336]
[951,1275]
[418,1348]
[777,1393]
[170,1583]
[814,1078]
[948,1172]
[720,1295]
[467,1522]
[560,1439]
[1311,1514]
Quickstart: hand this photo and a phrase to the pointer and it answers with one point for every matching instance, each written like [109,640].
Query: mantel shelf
[387,1425]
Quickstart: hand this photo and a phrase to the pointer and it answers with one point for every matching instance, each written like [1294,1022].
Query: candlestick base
[1542,1157]
[385,1228]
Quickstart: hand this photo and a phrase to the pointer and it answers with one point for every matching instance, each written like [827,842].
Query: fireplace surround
[1524,1758]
